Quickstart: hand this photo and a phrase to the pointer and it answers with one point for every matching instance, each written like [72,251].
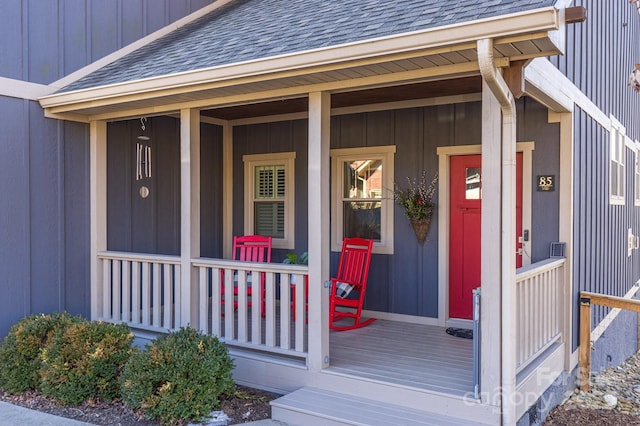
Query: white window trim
[617,136]
[338,156]
[287,159]
[636,176]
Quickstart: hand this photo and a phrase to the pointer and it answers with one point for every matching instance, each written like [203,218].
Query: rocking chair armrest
[337,280]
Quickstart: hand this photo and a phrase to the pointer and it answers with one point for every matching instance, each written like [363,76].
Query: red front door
[464,230]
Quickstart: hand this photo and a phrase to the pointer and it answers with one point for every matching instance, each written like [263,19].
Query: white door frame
[444,154]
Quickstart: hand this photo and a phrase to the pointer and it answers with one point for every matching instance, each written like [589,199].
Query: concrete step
[310,406]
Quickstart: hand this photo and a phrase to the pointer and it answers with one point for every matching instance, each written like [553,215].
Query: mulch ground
[562,416]
[246,405]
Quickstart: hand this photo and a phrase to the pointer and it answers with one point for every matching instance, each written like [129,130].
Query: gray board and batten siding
[600,66]
[405,282]
[152,224]
[44,166]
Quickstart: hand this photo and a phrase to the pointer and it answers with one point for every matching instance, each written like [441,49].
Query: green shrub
[20,350]
[179,377]
[84,361]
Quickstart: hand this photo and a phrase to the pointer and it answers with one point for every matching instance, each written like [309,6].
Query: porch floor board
[414,355]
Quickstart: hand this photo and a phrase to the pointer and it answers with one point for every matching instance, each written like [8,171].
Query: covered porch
[413,83]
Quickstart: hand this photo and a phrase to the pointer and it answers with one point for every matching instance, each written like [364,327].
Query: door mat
[460,332]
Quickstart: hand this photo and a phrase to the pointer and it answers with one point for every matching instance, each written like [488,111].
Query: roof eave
[548,20]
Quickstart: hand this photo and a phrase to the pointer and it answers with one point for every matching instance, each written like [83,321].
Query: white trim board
[23,89]
[444,153]
[544,76]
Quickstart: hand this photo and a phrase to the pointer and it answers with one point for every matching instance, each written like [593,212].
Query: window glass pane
[473,189]
[362,219]
[363,179]
[269,219]
[614,178]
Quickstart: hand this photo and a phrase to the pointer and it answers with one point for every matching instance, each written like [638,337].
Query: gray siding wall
[152,224]
[44,164]
[600,55]
[406,282]
[601,263]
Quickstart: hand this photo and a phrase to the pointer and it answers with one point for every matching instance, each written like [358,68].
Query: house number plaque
[546,183]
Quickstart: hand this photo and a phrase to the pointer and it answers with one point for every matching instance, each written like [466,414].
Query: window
[616,173]
[636,178]
[362,182]
[269,197]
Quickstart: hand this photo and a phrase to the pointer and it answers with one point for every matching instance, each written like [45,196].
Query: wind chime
[143,158]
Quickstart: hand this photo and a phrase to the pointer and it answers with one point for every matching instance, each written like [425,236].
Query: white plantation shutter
[270,191]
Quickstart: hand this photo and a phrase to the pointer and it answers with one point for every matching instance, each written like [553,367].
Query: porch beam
[318,228]
[189,213]
[98,209]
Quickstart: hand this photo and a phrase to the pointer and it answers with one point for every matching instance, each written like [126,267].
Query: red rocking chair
[353,271]
[252,248]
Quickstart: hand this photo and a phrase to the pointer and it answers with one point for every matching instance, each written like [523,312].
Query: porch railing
[140,290]
[539,292]
[252,305]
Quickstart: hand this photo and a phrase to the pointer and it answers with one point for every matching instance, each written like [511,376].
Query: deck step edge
[309,405]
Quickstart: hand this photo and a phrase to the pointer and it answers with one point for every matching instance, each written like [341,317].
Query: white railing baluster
[106,290]
[256,307]
[126,291]
[167,298]
[538,288]
[203,297]
[216,301]
[300,310]
[146,294]
[135,292]
[156,291]
[228,305]
[242,307]
[177,294]
[116,290]
[270,311]
[285,312]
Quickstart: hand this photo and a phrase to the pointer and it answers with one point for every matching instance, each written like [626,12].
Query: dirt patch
[562,416]
[246,405]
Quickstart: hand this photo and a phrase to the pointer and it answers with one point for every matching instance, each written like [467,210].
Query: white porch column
[189,213]
[490,248]
[227,190]
[503,173]
[318,225]
[98,207]
[566,226]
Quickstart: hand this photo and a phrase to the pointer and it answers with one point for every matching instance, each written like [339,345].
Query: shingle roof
[253,29]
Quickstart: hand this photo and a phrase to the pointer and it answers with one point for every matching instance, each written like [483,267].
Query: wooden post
[98,211]
[189,214]
[319,231]
[585,343]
